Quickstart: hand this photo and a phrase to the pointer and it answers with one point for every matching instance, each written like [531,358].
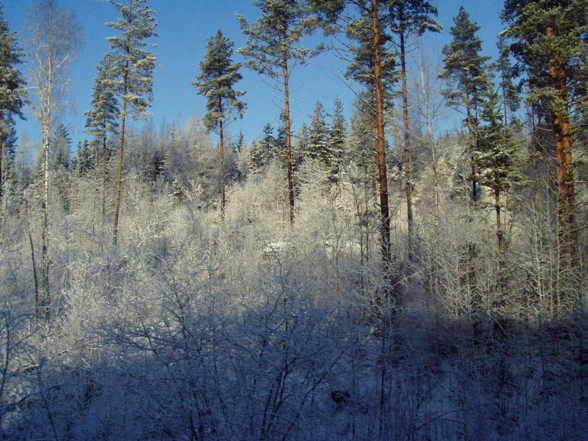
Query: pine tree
[133,74]
[12,92]
[273,48]
[466,72]
[548,39]
[372,16]
[216,81]
[510,92]
[408,17]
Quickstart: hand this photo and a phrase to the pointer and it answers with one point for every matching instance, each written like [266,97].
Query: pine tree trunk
[104,162]
[222,168]
[288,130]
[380,139]
[472,247]
[567,233]
[407,150]
[387,298]
[121,157]
[501,250]
[1,167]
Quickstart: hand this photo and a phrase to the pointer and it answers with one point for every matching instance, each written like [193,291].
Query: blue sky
[184,27]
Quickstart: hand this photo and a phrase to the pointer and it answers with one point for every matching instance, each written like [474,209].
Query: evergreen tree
[317,147]
[216,81]
[495,159]
[85,160]
[337,138]
[372,16]
[409,17]
[60,149]
[466,72]
[102,119]
[132,70]
[264,150]
[273,48]
[12,92]
[510,92]
[548,39]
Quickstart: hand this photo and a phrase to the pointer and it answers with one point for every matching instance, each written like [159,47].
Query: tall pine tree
[273,48]
[133,74]
[466,72]
[548,39]
[369,27]
[216,81]
[408,17]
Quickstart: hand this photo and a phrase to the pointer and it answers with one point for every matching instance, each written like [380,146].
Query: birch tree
[54,38]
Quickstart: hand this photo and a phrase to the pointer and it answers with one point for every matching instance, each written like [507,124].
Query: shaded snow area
[196,330]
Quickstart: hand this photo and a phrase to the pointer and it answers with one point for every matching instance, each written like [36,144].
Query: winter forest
[361,274]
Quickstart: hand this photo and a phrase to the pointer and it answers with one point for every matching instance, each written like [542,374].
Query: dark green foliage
[12,92]
[495,156]
[465,70]
[102,119]
[265,150]
[60,149]
[132,64]
[274,39]
[216,81]
[85,159]
[318,143]
[337,137]
[509,90]
[361,68]
[412,16]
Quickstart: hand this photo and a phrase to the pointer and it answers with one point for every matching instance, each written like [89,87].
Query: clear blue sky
[184,27]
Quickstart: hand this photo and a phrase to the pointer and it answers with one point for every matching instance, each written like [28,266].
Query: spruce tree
[12,92]
[273,48]
[133,74]
[496,162]
[216,81]
[102,119]
[337,138]
[408,17]
[466,72]
[548,39]
[317,147]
